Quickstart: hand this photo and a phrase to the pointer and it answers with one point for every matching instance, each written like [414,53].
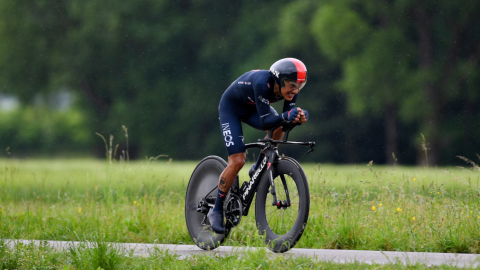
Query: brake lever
[312,148]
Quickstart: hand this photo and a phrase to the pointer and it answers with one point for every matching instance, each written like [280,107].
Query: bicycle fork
[271,157]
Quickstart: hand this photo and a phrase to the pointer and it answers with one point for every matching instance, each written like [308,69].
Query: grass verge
[352,207]
[101,255]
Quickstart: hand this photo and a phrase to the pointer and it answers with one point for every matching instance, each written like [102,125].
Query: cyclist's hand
[292,115]
[303,116]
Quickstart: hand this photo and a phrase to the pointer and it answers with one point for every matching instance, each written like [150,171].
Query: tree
[398,60]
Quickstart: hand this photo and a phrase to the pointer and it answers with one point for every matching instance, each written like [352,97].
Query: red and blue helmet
[290,69]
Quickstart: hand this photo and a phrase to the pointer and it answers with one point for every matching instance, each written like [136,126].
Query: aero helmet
[290,69]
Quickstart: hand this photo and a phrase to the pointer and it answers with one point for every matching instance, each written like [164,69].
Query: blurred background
[389,81]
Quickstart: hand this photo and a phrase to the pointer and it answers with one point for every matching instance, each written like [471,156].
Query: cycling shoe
[216,220]
[252,170]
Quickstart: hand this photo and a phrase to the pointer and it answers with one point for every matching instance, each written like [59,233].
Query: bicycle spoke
[291,198]
[275,209]
[280,219]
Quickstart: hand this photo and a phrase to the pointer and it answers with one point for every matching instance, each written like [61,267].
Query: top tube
[255,145]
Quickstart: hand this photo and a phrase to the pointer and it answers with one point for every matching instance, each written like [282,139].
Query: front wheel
[283,220]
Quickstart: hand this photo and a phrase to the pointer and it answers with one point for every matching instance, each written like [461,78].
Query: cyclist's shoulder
[255,76]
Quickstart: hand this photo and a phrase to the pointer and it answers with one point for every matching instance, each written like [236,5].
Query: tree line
[389,81]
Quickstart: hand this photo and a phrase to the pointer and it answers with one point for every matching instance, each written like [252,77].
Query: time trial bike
[281,206]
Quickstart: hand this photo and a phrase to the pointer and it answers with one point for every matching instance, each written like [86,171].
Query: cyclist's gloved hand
[303,116]
[290,115]
[306,114]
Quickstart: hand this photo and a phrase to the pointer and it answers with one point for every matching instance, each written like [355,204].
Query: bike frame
[270,148]
[248,189]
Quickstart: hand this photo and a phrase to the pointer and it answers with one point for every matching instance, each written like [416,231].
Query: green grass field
[369,207]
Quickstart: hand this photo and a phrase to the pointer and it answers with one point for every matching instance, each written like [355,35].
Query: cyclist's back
[251,87]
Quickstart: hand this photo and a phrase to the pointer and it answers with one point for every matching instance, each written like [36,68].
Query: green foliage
[160,67]
[377,76]
[96,255]
[42,131]
[14,255]
[398,61]
[340,30]
[9,258]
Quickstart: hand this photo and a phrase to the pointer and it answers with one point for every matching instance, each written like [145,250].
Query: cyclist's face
[290,90]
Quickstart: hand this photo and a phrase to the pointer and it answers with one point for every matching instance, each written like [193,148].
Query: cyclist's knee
[237,161]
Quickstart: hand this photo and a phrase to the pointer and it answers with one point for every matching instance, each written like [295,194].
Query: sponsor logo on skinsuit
[264,100]
[227,134]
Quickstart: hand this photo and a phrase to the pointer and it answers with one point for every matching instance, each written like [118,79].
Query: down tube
[249,188]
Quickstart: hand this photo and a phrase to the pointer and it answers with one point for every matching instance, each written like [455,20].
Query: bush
[40,131]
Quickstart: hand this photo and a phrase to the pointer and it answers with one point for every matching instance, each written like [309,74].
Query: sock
[259,160]
[219,201]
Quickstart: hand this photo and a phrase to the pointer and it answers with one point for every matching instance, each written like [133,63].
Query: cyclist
[248,100]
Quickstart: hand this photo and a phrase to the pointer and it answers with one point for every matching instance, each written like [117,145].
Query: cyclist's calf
[235,164]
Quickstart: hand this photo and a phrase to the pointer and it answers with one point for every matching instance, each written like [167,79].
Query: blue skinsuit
[248,100]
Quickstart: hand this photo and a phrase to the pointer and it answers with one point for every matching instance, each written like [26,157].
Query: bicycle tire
[277,238]
[203,179]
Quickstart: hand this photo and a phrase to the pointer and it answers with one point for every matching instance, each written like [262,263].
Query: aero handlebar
[287,126]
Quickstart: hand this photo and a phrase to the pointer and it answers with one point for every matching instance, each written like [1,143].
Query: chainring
[233,211]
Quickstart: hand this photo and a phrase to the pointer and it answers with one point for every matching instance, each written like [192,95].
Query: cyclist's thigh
[254,121]
[231,128]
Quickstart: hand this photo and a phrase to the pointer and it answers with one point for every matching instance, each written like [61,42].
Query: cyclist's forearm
[271,121]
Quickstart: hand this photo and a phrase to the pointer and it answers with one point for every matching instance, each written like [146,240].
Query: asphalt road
[338,256]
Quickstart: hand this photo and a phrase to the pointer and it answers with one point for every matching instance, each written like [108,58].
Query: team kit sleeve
[263,108]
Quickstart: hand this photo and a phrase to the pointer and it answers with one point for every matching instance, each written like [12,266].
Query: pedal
[202,207]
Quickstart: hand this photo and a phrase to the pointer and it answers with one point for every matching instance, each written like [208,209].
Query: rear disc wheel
[204,178]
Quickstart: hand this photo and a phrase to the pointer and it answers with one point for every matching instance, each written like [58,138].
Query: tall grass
[352,207]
